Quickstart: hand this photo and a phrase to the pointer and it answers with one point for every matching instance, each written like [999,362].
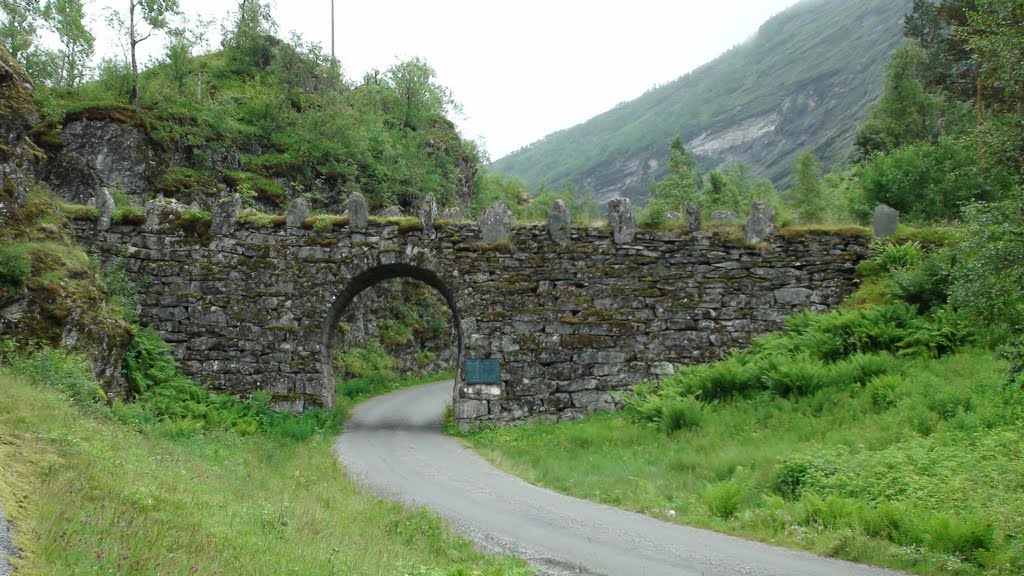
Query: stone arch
[367,279]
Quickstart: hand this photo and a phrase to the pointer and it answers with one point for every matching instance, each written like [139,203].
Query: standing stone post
[692,219]
[560,222]
[761,223]
[428,214]
[885,221]
[225,214]
[620,217]
[358,212]
[495,224]
[105,205]
[298,211]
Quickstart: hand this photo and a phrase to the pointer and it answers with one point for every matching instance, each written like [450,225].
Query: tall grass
[918,469]
[92,494]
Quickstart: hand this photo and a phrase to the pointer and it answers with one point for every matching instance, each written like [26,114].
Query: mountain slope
[804,81]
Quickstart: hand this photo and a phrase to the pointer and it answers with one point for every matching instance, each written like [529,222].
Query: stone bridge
[570,314]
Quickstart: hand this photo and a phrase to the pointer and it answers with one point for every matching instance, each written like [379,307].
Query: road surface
[393,444]
[6,545]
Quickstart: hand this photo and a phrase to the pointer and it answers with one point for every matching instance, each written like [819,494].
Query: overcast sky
[522,69]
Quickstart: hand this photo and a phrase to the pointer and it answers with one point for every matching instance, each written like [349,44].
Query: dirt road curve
[393,445]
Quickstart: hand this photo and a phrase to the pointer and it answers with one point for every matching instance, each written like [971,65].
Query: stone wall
[569,321]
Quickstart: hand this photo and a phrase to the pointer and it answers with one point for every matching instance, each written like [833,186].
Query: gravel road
[393,444]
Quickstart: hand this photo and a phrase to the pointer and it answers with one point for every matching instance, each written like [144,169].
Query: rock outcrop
[103,149]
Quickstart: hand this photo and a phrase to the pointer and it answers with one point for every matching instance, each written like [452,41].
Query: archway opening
[393,321]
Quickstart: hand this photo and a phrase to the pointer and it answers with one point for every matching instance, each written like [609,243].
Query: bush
[681,414]
[724,499]
[368,361]
[896,256]
[927,284]
[15,265]
[926,182]
[794,376]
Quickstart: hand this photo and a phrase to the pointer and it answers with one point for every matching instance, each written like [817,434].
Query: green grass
[922,469]
[90,495]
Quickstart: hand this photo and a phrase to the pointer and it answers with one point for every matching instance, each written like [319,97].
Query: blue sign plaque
[482,371]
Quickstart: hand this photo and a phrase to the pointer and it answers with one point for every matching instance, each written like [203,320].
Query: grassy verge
[92,493]
[858,434]
[925,472]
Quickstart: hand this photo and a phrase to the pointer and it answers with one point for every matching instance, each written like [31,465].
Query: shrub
[724,499]
[896,256]
[799,473]
[681,414]
[15,265]
[925,286]
[367,361]
[965,537]
[925,181]
[884,391]
[859,369]
[794,376]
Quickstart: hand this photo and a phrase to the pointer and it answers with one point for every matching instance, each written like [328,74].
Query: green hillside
[805,81]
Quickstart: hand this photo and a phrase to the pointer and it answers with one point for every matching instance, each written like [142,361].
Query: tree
[66,19]
[250,42]
[929,182]
[19,25]
[994,32]
[681,186]
[420,97]
[145,17]
[907,112]
[808,194]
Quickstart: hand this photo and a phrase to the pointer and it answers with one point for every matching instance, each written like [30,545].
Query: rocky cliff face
[102,149]
[18,156]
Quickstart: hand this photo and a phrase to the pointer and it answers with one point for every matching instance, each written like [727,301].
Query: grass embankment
[848,435]
[119,490]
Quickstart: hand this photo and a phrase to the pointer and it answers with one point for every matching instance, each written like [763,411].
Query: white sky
[521,70]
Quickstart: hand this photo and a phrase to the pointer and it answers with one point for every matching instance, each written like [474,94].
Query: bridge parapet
[255,307]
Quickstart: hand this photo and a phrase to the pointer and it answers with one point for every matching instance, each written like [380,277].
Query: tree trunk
[133,43]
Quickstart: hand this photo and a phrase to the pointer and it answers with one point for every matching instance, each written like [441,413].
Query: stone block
[761,222]
[560,223]
[358,212]
[495,224]
[298,211]
[469,409]
[885,221]
[105,205]
[620,218]
[793,296]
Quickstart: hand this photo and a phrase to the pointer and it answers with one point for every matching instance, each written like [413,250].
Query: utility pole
[333,57]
